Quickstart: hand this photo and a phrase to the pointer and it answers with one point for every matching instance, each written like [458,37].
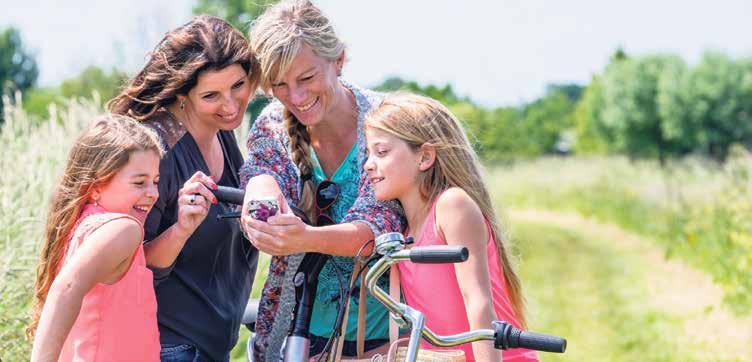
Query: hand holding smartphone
[262,209]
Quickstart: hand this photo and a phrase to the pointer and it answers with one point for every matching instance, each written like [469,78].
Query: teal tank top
[347,176]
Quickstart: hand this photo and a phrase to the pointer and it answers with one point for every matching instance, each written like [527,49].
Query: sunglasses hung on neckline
[327,193]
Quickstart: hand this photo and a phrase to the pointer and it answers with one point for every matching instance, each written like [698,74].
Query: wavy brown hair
[419,120]
[276,38]
[204,43]
[97,155]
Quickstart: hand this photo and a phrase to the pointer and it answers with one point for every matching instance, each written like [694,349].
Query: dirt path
[675,288]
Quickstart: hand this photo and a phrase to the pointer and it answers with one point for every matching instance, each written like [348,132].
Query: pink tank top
[117,322]
[433,290]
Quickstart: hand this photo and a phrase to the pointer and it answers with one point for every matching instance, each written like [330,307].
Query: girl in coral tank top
[94,297]
[419,154]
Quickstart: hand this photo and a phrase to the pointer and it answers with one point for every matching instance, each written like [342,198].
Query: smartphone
[262,209]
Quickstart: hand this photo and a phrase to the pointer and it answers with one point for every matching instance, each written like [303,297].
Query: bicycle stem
[415,317]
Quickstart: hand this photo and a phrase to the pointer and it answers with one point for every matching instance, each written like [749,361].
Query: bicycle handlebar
[438,254]
[507,336]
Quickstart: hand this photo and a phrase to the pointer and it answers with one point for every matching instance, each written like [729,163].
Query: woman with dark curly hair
[193,91]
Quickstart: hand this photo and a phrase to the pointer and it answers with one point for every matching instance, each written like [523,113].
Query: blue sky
[497,52]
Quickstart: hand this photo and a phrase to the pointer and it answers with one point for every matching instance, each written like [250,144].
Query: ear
[339,63]
[96,192]
[426,156]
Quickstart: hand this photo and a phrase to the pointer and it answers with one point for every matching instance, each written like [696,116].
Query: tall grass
[697,210]
[33,155]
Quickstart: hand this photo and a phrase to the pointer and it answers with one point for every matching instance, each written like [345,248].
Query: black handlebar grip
[507,336]
[438,254]
[229,194]
[542,342]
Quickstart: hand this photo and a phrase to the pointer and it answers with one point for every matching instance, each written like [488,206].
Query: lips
[307,107]
[375,180]
[229,117]
[142,208]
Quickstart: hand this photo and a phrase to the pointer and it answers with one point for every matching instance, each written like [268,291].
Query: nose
[153,191]
[297,95]
[229,105]
[368,166]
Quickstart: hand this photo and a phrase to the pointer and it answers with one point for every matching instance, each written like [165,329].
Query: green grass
[593,294]
[696,211]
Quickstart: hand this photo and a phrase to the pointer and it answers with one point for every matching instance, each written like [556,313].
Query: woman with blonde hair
[419,154]
[194,90]
[307,148]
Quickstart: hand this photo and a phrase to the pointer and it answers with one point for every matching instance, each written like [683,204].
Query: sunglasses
[327,193]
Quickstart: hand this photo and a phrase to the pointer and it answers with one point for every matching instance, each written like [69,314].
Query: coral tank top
[117,322]
[433,290]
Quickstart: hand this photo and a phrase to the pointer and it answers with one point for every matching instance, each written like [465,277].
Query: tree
[630,111]
[591,135]
[717,98]
[18,69]
[92,79]
[444,94]
[545,121]
[239,13]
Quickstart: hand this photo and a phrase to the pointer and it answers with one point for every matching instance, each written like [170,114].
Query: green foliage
[94,79]
[591,136]
[709,107]
[507,133]
[658,107]
[545,121]
[93,82]
[18,69]
[630,109]
[695,210]
[239,13]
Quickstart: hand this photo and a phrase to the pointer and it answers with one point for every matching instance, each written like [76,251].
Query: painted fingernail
[214,186]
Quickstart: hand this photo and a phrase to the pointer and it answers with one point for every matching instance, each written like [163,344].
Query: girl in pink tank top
[419,154]
[94,297]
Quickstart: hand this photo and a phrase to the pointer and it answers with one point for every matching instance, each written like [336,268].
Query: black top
[202,296]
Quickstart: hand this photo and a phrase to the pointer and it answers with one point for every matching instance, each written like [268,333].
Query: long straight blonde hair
[419,120]
[97,155]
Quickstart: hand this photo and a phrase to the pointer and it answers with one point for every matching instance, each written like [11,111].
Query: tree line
[649,106]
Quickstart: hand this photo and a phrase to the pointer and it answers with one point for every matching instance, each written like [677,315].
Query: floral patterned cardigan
[269,154]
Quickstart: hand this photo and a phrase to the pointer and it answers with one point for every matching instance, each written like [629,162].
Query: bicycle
[505,336]
[391,248]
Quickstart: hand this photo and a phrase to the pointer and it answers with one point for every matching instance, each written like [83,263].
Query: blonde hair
[419,120]
[97,155]
[276,37]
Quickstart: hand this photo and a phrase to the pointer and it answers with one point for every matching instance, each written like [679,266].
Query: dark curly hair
[204,43]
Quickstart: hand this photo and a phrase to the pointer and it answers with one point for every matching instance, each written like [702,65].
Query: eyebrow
[142,175]
[214,91]
[312,68]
